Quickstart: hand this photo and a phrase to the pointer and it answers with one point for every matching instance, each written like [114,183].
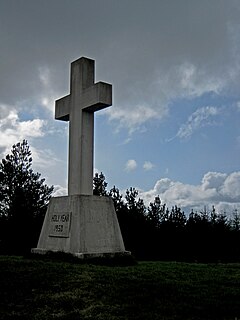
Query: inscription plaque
[60,224]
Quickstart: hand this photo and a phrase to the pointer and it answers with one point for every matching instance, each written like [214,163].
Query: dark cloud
[139,46]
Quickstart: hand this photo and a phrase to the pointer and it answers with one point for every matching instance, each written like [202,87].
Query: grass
[51,289]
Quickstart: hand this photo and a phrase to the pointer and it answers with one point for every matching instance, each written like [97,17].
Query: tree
[157,213]
[117,197]
[136,227]
[99,185]
[177,217]
[236,221]
[23,200]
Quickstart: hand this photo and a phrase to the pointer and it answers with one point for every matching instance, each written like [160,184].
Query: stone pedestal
[83,225]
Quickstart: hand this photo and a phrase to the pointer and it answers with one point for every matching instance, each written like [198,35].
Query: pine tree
[23,200]
[99,185]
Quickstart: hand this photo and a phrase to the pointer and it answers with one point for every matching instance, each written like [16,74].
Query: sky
[173,129]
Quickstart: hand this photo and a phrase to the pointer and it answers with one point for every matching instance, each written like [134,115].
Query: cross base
[85,226]
[86,256]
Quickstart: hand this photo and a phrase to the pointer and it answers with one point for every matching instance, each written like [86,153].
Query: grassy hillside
[47,289]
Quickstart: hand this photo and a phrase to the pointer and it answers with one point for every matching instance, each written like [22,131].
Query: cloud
[162,51]
[59,191]
[48,93]
[133,117]
[43,158]
[192,80]
[148,165]
[183,80]
[213,180]
[231,186]
[219,189]
[13,130]
[5,111]
[131,165]
[202,117]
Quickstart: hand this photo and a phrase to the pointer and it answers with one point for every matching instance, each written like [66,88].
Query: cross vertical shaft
[78,108]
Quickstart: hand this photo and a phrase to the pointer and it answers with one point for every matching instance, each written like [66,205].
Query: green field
[49,289]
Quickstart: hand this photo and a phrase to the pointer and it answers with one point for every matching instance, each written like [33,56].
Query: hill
[48,289]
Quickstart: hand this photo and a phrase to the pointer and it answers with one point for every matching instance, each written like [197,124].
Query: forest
[156,232]
[150,232]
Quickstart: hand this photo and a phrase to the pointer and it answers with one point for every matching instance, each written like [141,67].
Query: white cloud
[181,80]
[131,165]
[14,130]
[202,117]
[218,189]
[231,186]
[5,110]
[148,165]
[59,191]
[195,81]
[133,117]
[163,185]
[213,180]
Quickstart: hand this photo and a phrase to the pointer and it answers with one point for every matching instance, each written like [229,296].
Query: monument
[81,224]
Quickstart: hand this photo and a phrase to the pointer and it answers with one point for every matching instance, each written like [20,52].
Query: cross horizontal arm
[97,97]
[62,108]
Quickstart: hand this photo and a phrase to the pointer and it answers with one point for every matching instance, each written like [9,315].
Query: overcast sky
[173,129]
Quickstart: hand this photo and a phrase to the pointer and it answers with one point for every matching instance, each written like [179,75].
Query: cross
[78,108]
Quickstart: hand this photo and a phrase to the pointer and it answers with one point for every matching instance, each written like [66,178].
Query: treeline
[150,232]
[155,232]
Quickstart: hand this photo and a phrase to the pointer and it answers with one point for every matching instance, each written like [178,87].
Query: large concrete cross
[78,108]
